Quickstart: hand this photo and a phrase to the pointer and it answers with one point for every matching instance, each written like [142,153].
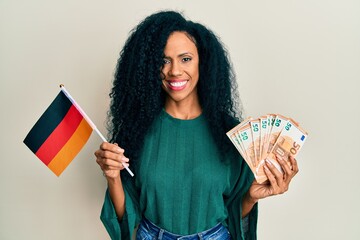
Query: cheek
[195,73]
[162,77]
[195,69]
[163,72]
[163,85]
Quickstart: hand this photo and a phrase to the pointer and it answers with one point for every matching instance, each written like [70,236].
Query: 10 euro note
[289,143]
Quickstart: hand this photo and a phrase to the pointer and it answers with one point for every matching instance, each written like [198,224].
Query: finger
[285,166]
[97,153]
[287,179]
[120,167]
[272,181]
[119,157]
[115,164]
[281,178]
[102,166]
[295,167]
[110,164]
[274,170]
[99,161]
[125,165]
[111,168]
[111,147]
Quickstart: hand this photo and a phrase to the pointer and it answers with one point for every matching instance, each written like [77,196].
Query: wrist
[250,199]
[113,181]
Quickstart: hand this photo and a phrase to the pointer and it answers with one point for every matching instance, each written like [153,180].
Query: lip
[177,85]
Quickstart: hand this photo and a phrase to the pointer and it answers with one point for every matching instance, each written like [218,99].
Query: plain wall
[297,58]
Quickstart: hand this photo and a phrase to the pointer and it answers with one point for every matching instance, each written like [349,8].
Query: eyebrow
[182,54]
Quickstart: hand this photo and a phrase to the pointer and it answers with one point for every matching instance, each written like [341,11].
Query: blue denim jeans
[149,231]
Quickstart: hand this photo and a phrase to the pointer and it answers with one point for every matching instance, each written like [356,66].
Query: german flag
[59,135]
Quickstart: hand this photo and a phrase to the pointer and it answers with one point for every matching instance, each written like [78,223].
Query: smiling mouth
[177,85]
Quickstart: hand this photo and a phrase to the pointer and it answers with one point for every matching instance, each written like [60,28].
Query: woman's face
[180,71]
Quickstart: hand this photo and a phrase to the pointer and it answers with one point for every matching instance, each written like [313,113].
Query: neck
[181,110]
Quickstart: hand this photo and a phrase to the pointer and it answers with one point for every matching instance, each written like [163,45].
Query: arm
[247,204]
[117,195]
[110,158]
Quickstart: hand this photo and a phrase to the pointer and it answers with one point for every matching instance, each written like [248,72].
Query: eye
[166,61]
[186,59]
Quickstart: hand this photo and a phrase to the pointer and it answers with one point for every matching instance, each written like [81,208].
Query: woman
[174,98]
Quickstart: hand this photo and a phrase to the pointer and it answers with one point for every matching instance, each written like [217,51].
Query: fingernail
[266,169]
[269,162]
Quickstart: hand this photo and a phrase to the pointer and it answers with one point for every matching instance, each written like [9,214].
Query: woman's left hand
[278,182]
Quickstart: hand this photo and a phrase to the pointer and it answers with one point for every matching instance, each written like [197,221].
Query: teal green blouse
[183,184]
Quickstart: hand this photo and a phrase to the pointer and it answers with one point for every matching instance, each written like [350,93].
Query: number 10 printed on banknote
[258,140]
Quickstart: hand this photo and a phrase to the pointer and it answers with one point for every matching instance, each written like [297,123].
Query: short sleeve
[124,228]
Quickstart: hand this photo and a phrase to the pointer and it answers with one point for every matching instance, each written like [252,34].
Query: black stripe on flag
[46,124]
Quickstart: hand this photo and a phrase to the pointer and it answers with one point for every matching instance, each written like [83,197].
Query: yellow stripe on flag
[71,148]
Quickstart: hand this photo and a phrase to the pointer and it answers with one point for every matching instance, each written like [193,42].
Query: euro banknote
[266,137]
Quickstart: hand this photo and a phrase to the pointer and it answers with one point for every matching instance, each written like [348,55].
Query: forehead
[178,43]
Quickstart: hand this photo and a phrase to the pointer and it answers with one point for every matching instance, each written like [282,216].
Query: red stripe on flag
[71,148]
[58,138]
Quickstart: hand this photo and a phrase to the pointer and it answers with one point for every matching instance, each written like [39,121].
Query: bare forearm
[247,204]
[117,195]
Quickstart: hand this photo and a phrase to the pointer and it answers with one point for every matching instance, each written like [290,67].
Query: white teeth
[177,84]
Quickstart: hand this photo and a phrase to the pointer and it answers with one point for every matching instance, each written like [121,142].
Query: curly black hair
[137,97]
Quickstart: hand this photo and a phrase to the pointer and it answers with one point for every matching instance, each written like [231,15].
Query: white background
[297,58]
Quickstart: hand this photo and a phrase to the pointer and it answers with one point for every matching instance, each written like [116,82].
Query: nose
[175,69]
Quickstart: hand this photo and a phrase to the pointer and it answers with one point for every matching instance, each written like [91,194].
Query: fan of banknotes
[260,139]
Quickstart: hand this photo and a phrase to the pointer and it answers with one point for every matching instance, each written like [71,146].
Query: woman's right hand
[111,158]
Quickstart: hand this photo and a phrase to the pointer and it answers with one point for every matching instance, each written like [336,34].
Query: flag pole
[93,126]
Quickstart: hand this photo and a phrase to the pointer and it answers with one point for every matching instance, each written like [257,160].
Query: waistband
[165,235]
